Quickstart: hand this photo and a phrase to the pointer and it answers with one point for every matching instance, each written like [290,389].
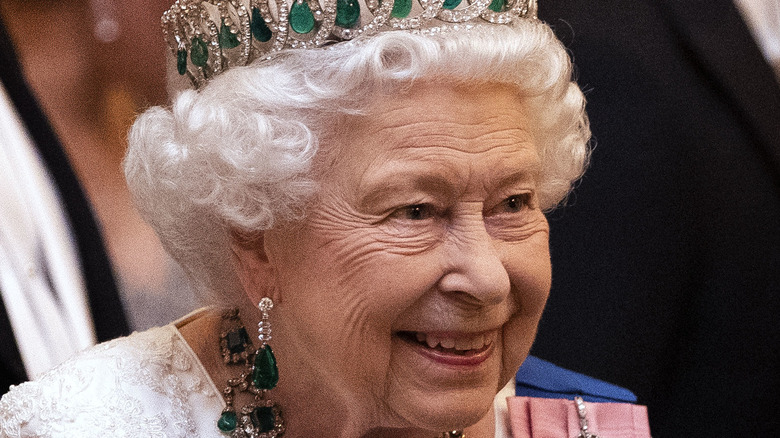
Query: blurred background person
[94,64]
[57,291]
[666,263]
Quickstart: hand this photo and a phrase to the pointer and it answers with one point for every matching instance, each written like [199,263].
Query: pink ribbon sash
[532,417]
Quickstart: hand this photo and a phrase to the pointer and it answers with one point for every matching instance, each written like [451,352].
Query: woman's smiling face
[412,290]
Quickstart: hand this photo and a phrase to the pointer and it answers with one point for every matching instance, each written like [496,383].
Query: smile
[460,344]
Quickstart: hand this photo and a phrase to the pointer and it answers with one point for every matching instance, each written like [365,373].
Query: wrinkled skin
[427,222]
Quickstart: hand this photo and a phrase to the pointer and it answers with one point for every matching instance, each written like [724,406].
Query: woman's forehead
[434,133]
[444,100]
[427,112]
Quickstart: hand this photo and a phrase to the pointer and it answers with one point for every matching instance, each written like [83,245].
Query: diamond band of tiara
[209,36]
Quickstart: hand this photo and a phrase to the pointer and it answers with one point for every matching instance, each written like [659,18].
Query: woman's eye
[417,212]
[514,204]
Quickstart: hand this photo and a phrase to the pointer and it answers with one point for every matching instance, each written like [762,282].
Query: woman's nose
[475,271]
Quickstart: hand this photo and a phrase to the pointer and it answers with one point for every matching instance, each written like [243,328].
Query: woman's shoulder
[148,384]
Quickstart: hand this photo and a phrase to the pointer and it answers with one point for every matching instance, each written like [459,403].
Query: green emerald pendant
[401,8]
[347,13]
[265,374]
[227,421]
[227,39]
[262,418]
[301,18]
[260,29]
[181,61]
[199,54]
[497,5]
[451,4]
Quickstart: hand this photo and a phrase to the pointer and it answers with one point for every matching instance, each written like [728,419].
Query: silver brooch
[584,432]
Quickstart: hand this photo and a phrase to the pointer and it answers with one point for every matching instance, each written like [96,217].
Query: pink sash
[532,417]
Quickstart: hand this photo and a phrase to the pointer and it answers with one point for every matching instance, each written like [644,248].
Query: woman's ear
[251,264]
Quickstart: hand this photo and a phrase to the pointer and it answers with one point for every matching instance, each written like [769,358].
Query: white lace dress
[149,384]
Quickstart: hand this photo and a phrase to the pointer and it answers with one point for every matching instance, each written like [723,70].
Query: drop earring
[261,418]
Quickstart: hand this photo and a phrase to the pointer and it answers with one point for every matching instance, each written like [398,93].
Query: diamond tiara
[209,36]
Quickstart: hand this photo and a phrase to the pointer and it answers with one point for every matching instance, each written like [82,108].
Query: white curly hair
[240,154]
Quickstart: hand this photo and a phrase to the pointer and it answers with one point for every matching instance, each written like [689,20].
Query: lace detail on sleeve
[145,385]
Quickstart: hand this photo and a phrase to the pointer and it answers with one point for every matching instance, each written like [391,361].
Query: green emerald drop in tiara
[210,36]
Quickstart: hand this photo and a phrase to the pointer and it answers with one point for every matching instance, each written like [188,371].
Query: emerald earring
[265,374]
[261,417]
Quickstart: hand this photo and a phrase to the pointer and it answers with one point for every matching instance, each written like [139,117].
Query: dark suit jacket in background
[666,265]
[104,301]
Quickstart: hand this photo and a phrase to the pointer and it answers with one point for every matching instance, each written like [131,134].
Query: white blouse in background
[763,19]
[40,274]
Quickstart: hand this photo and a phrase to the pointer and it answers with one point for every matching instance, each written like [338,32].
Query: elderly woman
[376,194]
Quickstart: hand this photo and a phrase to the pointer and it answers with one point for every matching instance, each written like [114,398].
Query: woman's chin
[452,415]
[440,389]
[446,410]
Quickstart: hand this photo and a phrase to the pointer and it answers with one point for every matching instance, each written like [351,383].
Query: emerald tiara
[209,36]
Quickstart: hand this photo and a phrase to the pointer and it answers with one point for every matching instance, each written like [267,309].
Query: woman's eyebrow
[437,182]
[529,172]
[392,183]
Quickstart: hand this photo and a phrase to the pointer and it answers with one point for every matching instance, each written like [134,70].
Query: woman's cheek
[530,282]
[519,334]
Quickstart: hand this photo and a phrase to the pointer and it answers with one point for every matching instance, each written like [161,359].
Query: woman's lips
[464,349]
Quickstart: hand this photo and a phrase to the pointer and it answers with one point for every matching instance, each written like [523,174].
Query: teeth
[463,344]
[474,342]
